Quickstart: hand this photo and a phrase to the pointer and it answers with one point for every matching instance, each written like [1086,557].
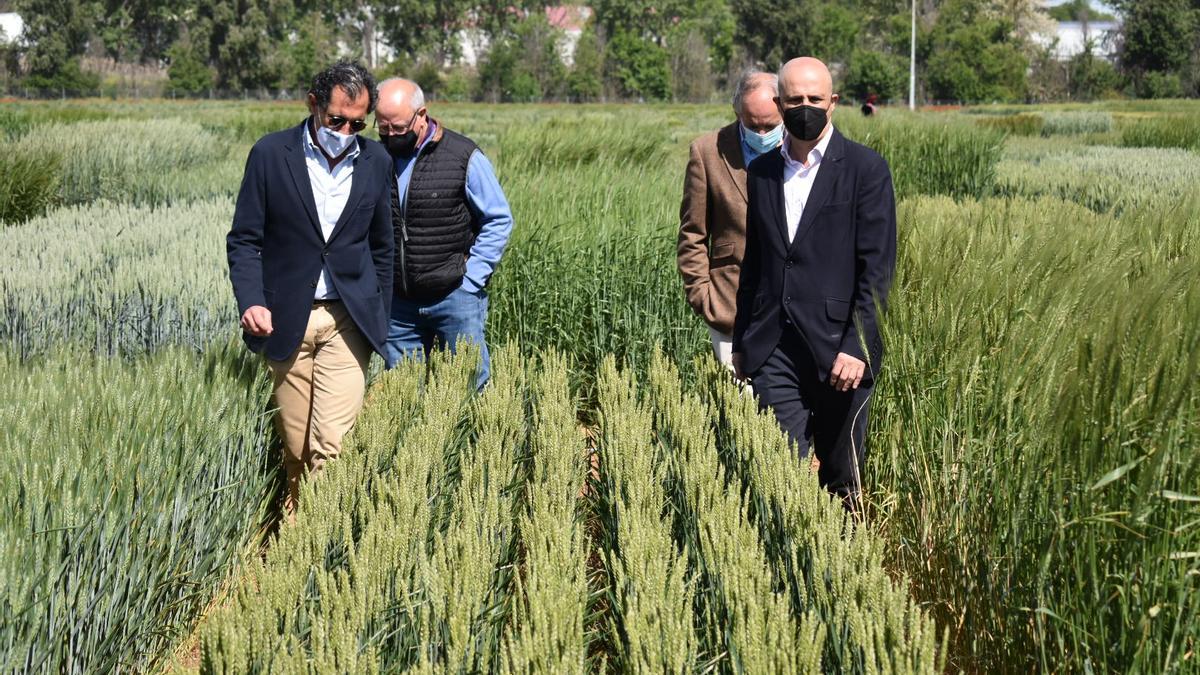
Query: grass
[1032,481]
[130,492]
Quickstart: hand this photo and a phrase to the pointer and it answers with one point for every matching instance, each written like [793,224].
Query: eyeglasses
[334,122]
[396,130]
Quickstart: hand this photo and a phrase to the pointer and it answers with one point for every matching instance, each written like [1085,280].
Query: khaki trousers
[319,392]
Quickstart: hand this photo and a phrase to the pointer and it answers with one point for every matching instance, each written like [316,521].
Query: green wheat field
[611,503]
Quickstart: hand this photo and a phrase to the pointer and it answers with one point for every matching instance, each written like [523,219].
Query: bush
[28,185]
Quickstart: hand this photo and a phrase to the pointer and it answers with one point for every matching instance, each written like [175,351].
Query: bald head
[806,81]
[399,97]
[805,76]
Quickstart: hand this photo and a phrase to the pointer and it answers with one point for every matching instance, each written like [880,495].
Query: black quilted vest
[434,227]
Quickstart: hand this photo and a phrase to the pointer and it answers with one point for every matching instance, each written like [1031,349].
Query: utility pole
[912,62]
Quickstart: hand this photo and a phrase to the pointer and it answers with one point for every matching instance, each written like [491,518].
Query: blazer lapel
[299,171]
[729,147]
[358,186]
[822,188]
[776,196]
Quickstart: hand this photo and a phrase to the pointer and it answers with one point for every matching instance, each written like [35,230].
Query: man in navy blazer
[820,256]
[310,258]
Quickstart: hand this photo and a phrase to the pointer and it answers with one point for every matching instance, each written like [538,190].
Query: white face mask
[333,142]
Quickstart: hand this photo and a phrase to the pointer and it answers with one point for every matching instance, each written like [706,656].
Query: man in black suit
[820,255]
[310,258]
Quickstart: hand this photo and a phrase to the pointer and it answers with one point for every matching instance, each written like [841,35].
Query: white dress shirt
[798,180]
[331,191]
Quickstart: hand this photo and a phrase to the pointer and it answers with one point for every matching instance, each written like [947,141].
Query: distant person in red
[868,106]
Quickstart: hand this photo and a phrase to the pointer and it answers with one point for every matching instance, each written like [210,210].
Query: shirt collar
[311,147]
[814,156]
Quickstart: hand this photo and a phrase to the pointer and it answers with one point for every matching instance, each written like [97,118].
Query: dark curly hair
[351,77]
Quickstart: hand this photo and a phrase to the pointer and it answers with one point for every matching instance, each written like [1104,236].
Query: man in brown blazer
[712,217]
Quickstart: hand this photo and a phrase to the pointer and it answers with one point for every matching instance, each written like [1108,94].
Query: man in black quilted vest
[451,223]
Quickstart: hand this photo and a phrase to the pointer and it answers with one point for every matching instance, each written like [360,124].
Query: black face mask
[805,122]
[400,145]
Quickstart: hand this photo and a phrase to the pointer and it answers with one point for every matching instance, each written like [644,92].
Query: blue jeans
[416,328]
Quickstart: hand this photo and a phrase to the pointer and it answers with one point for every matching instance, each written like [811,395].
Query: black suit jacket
[276,249]
[832,280]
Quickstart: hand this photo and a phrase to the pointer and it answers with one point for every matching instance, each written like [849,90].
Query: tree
[973,56]
[1157,42]
[777,30]
[586,80]
[640,68]
[187,72]
[873,72]
[56,34]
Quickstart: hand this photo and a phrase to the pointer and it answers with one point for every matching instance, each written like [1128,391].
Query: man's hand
[257,321]
[737,367]
[847,372]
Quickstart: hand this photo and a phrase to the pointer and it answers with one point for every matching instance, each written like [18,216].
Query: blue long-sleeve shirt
[488,204]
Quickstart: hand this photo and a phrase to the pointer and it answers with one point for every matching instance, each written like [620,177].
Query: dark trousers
[814,414]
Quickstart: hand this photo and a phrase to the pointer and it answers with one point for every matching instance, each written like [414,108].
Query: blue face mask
[763,143]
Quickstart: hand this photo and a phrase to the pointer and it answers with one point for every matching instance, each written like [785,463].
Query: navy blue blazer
[276,249]
[832,281]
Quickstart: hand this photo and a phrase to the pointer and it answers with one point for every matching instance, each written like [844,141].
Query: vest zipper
[404,221]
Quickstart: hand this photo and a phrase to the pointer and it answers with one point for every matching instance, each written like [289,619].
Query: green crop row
[649,577]
[1099,177]
[1035,429]
[1175,131]
[129,492]
[152,161]
[405,552]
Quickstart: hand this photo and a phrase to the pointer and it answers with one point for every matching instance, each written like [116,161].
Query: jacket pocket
[725,253]
[838,310]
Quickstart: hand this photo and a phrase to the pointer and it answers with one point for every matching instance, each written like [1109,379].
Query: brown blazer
[712,226]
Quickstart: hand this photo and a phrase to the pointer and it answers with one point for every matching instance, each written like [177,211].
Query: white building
[1070,38]
[11,27]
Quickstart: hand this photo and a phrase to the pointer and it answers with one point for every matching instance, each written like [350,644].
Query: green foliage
[777,30]
[1091,77]
[586,80]
[973,56]
[873,72]
[188,73]
[524,64]
[1078,10]
[930,154]
[640,67]
[1057,489]
[57,36]
[1174,131]
[1159,85]
[1156,35]
[28,185]
[130,492]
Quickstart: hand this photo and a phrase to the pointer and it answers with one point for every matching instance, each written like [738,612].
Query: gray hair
[351,77]
[750,82]
[417,100]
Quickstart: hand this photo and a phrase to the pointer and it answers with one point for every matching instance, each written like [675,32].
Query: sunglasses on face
[336,123]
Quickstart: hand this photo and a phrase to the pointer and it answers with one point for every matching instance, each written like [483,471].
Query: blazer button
[314,284]
[787,299]
[324,254]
